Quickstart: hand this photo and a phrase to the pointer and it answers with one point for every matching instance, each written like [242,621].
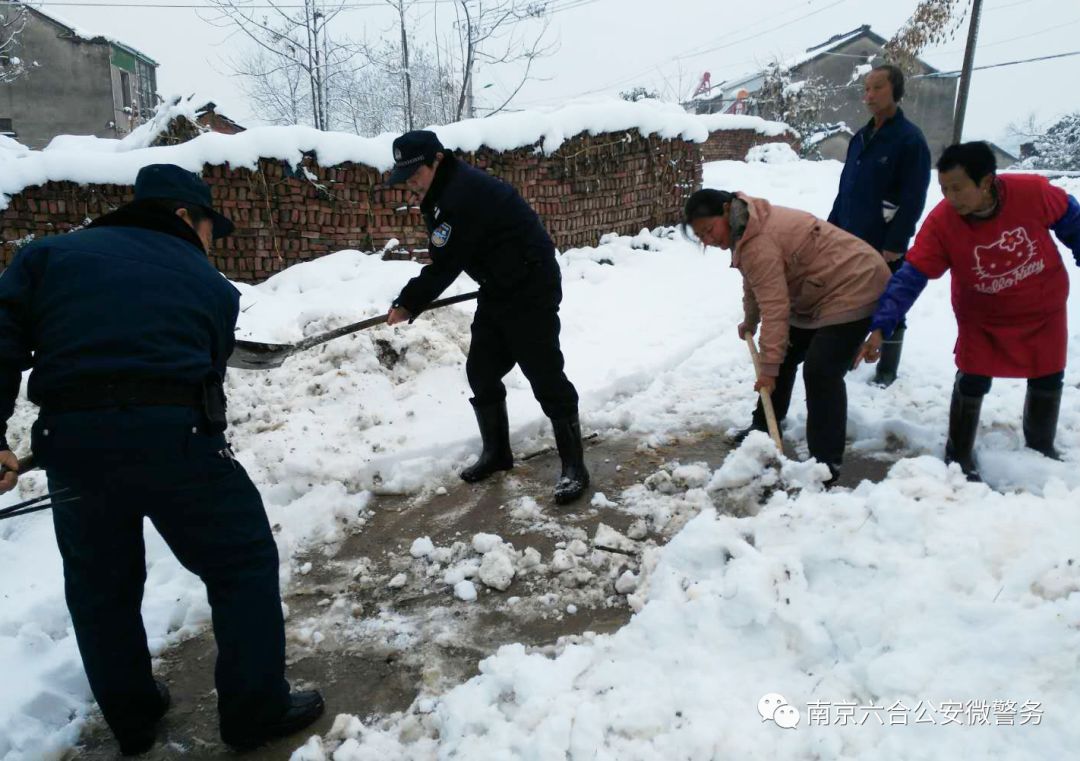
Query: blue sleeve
[903,289]
[911,198]
[16,294]
[1067,229]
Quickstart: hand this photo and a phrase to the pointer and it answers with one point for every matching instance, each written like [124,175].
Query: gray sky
[609,45]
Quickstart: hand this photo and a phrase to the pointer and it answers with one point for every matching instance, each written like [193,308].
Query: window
[6,127]
[125,88]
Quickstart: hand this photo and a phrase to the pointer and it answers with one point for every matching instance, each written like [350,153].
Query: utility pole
[965,74]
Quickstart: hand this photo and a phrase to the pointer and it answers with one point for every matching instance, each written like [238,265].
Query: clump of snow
[626,583]
[497,569]
[13,148]
[484,543]
[465,590]
[772,153]
[422,547]
[599,499]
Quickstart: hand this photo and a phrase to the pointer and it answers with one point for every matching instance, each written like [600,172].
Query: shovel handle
[766,399]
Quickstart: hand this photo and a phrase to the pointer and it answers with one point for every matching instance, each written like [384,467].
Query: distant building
[838,64]
[78,84]
[1003,157]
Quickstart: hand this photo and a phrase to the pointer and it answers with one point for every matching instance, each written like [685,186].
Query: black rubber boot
[887,366]
[963,425]
[495,434]
[1041,409]
[303,710]
[143,740]
[574,479]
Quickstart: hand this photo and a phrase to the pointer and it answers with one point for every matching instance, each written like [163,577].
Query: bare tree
[497,33]
[406,74]
[364,101]
[293,36]
[932,23]
[278,92]
[799,103]
[13,18]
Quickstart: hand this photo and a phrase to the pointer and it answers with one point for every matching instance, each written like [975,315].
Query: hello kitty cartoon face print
[1010,259]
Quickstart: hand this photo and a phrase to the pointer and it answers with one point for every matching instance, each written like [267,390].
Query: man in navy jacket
[127,327]
[883,186]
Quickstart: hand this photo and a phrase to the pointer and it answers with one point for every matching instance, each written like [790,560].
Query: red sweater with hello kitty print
[1009,284]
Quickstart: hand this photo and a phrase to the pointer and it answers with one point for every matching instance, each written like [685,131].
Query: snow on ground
[904,590]
[922,617]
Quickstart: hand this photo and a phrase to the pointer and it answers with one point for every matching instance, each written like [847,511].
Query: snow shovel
[253,355]
[766,400]
[36,504]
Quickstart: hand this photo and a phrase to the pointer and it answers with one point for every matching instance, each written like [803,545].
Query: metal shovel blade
[253,355]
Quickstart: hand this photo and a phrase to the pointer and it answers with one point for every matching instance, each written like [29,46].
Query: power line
[693,52]
[940,74]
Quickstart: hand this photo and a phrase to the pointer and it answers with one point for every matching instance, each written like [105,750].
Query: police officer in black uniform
[482,226]
[127,327]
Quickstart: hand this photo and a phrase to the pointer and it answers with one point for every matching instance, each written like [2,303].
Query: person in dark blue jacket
[481,226]
[883,186]
[127,328]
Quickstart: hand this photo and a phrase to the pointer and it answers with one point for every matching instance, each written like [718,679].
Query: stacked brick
[592,185]
[732,145]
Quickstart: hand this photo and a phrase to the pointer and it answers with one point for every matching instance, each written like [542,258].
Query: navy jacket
[885,175]
[131,297]
[482,226]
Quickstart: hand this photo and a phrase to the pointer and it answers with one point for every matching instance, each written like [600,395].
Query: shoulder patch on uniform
[440,235]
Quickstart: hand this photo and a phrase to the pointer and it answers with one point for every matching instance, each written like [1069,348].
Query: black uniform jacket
[482,226]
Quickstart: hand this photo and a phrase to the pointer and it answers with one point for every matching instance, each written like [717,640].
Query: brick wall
[594,184]
[732,145]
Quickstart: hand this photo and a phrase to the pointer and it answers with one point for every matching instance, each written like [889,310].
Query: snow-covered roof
[83,34]
[97,160]
[726,89]
[840,128]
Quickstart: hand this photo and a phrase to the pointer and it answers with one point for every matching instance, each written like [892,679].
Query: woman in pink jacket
[812,287]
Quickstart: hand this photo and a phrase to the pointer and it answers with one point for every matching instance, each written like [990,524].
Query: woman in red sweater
[1009,288]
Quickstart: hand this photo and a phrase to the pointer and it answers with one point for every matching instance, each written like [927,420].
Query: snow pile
[13,148]
[772,153]
[883,605]
[174,107]
[91,160]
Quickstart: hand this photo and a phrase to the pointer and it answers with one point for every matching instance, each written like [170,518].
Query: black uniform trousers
[523,331]
[156,462]
[826,355]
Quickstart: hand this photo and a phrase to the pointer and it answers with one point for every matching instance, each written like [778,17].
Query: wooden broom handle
[766,400]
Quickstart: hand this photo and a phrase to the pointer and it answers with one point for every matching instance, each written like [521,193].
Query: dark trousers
[826,355]
[525,335]
[979,385]
[211,515]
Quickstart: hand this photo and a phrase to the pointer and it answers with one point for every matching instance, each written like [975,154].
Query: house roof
[88,36]
[812,53]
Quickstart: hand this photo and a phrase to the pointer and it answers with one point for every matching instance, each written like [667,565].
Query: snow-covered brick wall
[727,144]
[297,194]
